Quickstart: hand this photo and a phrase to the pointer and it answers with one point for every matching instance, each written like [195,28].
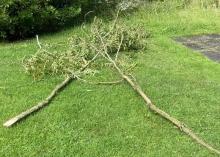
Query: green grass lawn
[89,120]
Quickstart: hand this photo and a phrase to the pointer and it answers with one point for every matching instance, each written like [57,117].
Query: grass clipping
[82,49]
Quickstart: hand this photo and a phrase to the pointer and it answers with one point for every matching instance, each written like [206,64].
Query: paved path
[208,45]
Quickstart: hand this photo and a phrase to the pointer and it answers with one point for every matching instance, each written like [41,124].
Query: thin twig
[85,16]
[38,42]
[114,23]
[101,83]
[119,48]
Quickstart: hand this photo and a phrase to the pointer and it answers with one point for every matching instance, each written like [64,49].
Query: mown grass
[88,120]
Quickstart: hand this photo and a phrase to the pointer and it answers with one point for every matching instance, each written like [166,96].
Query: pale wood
[160,112]
[40,105]
[47,101]
[165,115]
[38,42]
[149,103]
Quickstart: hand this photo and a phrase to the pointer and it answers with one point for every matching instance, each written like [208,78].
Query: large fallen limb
[149,104]
[45,102]
[165,115]
[157,110]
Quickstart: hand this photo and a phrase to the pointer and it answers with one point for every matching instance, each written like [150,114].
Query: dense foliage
[24,18]
[117,37]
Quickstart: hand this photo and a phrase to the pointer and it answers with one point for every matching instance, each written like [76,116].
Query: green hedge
[25,18]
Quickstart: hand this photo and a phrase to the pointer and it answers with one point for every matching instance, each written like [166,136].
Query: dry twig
[119,47]
[102,83]
[38,42]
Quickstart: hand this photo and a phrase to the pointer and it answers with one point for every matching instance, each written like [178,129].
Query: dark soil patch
[209,45]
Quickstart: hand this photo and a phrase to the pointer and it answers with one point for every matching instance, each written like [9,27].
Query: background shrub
[25,18]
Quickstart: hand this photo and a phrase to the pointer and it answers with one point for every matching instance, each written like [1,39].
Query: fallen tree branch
[102,48]
[165,115]
[45,102]
[148,102]
[157,110]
